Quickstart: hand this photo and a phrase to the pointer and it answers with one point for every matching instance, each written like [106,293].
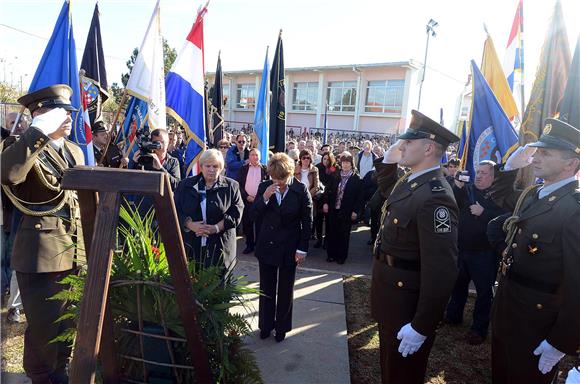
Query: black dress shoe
[340,262]
[264,334]
[248,250]
[318,244]
[280,336]
[330,260]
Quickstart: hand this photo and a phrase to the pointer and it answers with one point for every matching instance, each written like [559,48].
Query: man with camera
[476,261]
[152,156]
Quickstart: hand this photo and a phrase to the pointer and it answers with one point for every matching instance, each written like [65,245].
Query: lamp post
[430,27]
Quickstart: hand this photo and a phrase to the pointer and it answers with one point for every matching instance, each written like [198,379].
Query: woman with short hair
[343,201]
[282,211]
[209,207]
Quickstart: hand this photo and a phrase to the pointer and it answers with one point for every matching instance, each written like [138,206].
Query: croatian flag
[513,65]
[184,90]
[87,127]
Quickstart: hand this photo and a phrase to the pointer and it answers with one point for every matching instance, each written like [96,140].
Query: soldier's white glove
[573,376]
[411,340]
[549,356]
[50,121]
[393,154]
[520,158]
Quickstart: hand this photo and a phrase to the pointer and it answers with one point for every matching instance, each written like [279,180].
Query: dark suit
[415,267]
[113,157]
[247,222]
[45,248]
[223,203]
[339,223]
[539,297]
[284,228]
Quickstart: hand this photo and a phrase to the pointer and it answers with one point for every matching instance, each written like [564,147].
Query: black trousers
[338,235]
[44,362]
[277,287]
[396,369]
[319,218]
[248,227]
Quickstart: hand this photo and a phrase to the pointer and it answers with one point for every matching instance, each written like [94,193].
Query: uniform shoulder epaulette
[436,186]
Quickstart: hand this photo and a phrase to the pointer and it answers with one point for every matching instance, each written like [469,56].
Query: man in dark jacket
[476,260]
[237,157]
[251,175]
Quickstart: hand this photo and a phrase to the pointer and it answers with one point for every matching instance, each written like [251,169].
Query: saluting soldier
[414,270]
[48,234]
[536,311]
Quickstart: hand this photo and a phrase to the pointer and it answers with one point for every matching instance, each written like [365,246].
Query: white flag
[147,80]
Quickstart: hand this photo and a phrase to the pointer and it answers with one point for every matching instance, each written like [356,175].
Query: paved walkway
[316,350]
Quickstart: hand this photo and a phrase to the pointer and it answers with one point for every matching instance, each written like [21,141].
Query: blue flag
[490,135]
[59,66]
[461,148]
[135,119]
[261,116]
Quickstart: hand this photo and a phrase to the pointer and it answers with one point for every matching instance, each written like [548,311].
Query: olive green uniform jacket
[46,243]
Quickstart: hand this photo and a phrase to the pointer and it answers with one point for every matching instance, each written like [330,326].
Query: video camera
[463,176]
[146,148]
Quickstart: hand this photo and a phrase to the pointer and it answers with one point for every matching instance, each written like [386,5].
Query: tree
[8,93]
[169,55]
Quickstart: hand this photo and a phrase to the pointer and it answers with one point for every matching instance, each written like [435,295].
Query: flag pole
[18,117]
[521,54]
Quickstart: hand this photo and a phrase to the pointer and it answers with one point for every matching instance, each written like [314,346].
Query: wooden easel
[95,329]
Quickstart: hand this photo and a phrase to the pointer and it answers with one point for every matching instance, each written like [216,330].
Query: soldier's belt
[396,262]
[532,283]
[64,212]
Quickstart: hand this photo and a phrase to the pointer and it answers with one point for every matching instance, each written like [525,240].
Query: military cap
[98,127]
[558,134]
[422,127]
[55,96]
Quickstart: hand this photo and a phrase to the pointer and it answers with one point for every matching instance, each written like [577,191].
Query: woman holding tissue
[209,207]
[283,212]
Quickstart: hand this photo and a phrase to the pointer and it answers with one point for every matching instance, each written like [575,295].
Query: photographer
[476,260]
[152,156]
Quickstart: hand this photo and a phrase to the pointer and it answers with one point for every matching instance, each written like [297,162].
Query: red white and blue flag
[513,65]
[184,93]
[87,127]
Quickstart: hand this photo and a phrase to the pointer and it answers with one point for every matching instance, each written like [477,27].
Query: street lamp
[430,27]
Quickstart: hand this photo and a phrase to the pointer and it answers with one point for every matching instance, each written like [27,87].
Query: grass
[452,360]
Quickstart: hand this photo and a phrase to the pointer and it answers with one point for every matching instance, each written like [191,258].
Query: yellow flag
[495,77]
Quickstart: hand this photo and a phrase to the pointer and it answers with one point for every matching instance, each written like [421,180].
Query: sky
[315,33]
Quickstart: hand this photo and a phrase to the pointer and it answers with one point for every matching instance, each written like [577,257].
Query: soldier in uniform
[114,157]
[414,270]
[48,234]
[536,311]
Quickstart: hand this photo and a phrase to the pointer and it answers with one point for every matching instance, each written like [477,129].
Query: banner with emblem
[490,134]
[94,78]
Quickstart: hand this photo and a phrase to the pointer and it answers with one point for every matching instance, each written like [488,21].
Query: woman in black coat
[342,202]
[209,207]
[283,212]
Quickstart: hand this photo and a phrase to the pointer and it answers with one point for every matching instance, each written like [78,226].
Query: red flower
[156,252]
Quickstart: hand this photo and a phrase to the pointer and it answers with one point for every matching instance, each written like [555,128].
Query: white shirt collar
[548,189]
[424,171]
[57,144]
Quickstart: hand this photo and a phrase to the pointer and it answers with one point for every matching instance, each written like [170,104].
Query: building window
[246,96]
[304,96]
[341,96]
[226,89]
[385,96]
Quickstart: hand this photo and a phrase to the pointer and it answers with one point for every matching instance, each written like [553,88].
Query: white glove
[573,376]
[393,154]
[520,158]
[50,121]
[549,356]
[411,340]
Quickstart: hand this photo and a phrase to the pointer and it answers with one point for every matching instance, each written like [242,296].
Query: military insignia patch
[442,220]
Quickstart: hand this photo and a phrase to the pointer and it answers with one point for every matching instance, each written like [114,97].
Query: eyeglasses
[241,142]
[224,147]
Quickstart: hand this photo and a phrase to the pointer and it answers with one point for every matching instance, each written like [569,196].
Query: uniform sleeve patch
[436,186]
[442,220]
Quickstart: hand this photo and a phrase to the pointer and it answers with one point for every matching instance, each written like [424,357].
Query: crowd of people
[433,231]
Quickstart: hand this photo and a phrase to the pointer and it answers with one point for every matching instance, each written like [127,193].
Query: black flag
[217,101]
[569,111]
[277,107]
[94,79]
